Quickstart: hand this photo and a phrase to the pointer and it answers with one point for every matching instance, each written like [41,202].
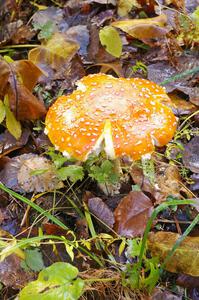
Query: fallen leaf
[187,281]
[79,34]
[162,71]
[144,29]
[12,274]
[17,79]
[103,213]
[8,143]
[185,258]
[54,53]
[2,111]
[132,214]
[195,186]
[181,106]
[159,294]
[53,14]
[30,173]
[110,39]
[168,181]
[27,107]
[13,126]
[191,155]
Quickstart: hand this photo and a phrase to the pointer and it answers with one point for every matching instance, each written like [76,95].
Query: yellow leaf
[13,126]
[185,258]
[143,28]
[55,52]
[110,39]
[2,112]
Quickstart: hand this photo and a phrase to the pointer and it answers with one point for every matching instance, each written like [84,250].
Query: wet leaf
[8,143]
[54,53]
[101,211]
[132,214]
[28,107]
[57,281]
[191,155]
[110,39]
[185,258]
[17,79]
[143,29]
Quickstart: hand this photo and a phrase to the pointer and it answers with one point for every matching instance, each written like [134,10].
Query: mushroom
[126,116]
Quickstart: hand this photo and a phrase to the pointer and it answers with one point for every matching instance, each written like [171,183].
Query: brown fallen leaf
[17,79]
[11,273]
[103,213]
[181,106]
[187,281]
[8,143]
[132,214]
[144,29]
[191,155]
[168,180]
[185,258]
[159,294]
[30,173]
[161,71]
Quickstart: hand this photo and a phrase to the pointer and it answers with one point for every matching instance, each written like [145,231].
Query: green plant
[148,278]
[46,30]
[139,66]
[59,281]
[97,167]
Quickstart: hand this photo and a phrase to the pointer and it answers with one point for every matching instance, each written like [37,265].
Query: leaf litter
[45,51]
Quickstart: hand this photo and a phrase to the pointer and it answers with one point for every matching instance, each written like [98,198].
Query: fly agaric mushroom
[126,115]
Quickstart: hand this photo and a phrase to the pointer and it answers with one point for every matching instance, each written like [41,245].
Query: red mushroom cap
[128,115]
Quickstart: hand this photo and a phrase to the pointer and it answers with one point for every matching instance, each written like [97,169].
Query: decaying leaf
[185,258]
[144,29]
[97,206]
[132,214]
[161,71]
[168,180]
[191,155]
[11,273]
[54,53]
[17,79]
[30,173]
[181,106]
[8,143]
